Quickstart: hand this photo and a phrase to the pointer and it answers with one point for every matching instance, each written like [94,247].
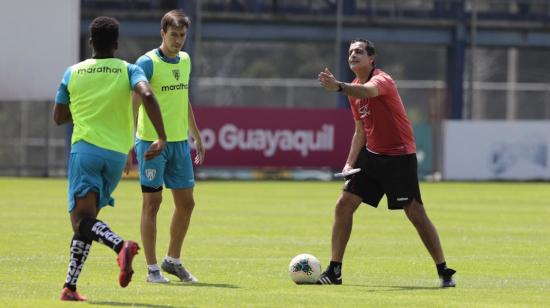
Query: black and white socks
[79,253]
[97,230]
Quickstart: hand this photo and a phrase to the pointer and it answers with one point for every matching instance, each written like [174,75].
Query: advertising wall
[287,138]
[496,150]
[275,137]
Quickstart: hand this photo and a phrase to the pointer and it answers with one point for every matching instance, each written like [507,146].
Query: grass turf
[243,234]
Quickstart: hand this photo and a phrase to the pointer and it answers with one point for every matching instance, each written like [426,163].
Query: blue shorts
[173,167]
[94,169]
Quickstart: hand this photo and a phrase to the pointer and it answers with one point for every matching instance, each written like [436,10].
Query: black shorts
[394,176]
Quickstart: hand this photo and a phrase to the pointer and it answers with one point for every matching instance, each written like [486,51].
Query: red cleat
[124,260]
[69,295]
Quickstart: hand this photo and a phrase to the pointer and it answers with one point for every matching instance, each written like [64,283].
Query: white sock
[173,260]
[153,267]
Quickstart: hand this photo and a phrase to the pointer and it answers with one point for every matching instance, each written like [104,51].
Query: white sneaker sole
[158,281]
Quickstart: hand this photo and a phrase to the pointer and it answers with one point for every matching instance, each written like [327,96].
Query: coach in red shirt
[383,148]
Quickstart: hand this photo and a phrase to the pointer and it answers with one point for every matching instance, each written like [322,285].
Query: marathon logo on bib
[150,173]
[173,87]
[101,69]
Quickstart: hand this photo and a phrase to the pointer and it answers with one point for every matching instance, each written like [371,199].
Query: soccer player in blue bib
[95,95]
[168,68]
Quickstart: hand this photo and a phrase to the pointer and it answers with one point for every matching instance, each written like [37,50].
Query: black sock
[336,268]
[441,267]
[97,230]
[79,253]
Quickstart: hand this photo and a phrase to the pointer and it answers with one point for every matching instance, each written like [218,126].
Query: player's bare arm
[143,89]
[330,83]
[62,114]
[357,143]
[136,102]
[196,135]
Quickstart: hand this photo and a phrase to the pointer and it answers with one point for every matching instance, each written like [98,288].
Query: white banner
[496,150]
[40,39]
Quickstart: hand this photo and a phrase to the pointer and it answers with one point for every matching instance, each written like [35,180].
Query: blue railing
[504,10]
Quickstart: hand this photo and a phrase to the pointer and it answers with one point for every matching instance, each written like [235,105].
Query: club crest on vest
[176,74]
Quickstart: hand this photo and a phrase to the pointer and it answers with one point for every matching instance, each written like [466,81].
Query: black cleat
[330,277]
[446,278]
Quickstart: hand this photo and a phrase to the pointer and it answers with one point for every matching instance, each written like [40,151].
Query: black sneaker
[330,277]
[446,278]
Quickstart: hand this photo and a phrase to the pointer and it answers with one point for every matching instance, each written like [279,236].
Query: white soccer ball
[304,269]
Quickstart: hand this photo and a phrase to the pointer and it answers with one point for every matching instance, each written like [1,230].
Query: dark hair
[174,18]
[104,33]
[369,45]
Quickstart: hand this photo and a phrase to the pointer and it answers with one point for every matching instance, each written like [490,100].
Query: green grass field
[243,235]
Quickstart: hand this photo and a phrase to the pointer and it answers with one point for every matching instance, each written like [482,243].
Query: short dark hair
[369,45]
[104,33]
[174,18]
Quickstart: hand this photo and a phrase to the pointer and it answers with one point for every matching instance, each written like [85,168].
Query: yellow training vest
[101,104]
[170,83]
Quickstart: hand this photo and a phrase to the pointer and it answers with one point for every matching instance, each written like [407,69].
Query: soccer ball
[304,269]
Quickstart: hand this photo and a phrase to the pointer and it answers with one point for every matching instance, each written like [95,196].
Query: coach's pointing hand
[328,81]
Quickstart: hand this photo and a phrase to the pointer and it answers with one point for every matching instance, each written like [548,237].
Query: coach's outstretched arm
[143,89]
[358,90]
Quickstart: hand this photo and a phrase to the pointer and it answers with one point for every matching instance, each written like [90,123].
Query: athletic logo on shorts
[150,173]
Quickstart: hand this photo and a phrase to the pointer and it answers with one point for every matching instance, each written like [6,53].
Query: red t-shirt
[387,127]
